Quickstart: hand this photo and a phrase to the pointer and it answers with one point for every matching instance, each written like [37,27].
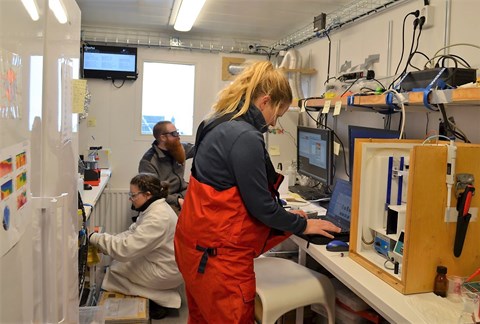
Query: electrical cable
[453,45]
[428,122]
[385,264]
[436,136]
[289,134]
[428,64]
[416,14]
[451,127]
[343,150]
[421,53]
[118,87]
[455,58]
[329,55]
[351,85]
[415,25]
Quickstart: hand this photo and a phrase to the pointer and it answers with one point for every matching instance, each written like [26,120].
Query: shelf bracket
[428,90]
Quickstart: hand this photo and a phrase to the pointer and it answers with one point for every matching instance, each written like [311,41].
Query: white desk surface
[391,304]
[91,197]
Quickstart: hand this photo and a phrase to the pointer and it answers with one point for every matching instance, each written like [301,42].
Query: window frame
[139,112]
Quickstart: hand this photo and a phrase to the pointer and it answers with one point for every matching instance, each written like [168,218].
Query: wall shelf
[461,96]
[302,71]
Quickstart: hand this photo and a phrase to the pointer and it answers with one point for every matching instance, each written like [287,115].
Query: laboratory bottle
[441,282]
[292,175]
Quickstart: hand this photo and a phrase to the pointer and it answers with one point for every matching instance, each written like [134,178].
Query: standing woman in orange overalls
[230,214]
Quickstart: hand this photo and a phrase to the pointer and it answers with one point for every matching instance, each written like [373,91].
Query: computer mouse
[87,186]
[337,246]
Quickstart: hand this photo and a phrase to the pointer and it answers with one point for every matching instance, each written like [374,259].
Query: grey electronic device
[398,249]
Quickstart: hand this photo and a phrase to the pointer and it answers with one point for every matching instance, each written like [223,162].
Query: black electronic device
[310,193]
[355,75]
[315,153]
[319,22]
[441,76]
[109,62]
[337,246]
[338,213]
[312,214]
[355,132]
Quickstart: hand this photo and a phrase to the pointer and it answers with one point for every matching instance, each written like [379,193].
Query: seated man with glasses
[166,158]
[144,255]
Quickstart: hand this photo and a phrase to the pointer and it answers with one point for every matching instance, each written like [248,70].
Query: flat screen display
[365,132]
[315,153]
[109,62]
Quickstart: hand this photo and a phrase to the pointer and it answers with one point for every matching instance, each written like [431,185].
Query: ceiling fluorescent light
[32,9]
[187,14]
[58,10]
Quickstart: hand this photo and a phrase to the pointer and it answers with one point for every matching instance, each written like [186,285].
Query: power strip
[367,74]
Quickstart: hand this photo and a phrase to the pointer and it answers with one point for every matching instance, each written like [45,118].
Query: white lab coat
[144,257]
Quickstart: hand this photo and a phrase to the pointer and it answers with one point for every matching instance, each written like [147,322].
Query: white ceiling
[253,20]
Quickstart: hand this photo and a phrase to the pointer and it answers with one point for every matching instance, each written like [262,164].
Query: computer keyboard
[309,193]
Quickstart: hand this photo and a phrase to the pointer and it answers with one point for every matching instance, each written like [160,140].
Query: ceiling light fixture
[187,14]
[58,10]
[32,9]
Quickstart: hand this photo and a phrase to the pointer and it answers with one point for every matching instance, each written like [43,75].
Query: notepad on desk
[294,201]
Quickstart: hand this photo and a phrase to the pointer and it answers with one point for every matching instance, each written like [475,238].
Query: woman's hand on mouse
[320,226]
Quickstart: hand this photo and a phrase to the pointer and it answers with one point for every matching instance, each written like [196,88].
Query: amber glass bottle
[441,282]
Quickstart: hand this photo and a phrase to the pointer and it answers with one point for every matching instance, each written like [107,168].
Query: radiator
[113,212]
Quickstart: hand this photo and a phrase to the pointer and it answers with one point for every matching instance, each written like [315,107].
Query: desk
[90,197]
[391,304]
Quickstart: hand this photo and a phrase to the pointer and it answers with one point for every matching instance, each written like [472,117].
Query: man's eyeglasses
[174,133]
[133,195]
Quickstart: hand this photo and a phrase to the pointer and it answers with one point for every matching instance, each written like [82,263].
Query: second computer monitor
[315,153]
[365,132]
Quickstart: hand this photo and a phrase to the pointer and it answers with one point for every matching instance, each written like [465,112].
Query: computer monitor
[315,153]
[365,132]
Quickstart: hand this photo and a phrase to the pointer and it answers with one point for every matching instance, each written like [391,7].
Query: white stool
[284,285]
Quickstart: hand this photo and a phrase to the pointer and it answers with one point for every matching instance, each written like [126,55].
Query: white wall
[371,36]
[115,109]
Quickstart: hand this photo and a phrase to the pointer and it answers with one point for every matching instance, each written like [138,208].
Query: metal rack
[337,19]
[346,15]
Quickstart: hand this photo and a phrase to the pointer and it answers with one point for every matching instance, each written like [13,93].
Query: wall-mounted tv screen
[109,62]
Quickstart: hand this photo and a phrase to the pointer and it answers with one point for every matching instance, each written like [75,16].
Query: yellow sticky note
[326,107]
[338,106]
[79,88]
[336,148]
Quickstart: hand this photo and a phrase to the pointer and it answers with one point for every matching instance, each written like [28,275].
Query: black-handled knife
[463,218]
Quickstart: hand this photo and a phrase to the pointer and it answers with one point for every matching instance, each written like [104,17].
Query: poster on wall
[10,84]
[14,194]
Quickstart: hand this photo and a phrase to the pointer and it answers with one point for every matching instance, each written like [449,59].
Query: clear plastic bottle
[292,175]
[441,282]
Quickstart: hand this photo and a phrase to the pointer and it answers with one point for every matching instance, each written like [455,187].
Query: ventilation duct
[293,61]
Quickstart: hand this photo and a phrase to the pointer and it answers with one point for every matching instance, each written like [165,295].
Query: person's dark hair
[150,182]
[160,128]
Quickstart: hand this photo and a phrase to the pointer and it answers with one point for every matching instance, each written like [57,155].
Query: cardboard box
[122,309]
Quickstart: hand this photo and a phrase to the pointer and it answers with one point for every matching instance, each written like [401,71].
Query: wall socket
[427,12]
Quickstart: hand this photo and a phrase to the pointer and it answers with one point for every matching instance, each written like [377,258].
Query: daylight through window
[168,93]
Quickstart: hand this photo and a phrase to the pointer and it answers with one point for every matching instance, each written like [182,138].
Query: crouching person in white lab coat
[144,260]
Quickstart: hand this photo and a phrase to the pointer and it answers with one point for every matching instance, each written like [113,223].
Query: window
[168,94]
